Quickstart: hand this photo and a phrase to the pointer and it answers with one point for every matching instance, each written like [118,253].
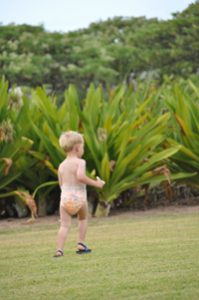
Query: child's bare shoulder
[81,161]
[61,165]
[59,168]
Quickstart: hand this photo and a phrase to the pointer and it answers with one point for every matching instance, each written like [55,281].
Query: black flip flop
[82,251]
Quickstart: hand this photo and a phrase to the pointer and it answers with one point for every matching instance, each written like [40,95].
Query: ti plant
[124,144]
[14,145]
[184,104]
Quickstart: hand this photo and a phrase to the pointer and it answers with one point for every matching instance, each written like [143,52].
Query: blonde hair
[69,139]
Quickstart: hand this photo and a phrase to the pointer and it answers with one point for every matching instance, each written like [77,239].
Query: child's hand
[100,182]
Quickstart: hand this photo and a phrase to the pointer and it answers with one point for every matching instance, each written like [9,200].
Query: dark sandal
[84,250]
[58,253]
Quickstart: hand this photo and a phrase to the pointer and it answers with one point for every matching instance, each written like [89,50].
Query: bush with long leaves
[14,145]
[184,104]
[125,144]
[125,140]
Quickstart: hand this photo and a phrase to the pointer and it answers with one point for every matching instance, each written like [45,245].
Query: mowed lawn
[135,256]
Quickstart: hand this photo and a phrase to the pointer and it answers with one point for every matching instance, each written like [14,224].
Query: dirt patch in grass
[50,220]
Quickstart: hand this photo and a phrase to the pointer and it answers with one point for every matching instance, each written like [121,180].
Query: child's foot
[58,253]
[81,248]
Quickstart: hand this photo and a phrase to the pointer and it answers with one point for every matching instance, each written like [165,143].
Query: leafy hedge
[133,139]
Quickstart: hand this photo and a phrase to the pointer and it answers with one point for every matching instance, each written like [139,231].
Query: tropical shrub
[125,145]
[184,104]
[128,143]
[14,146]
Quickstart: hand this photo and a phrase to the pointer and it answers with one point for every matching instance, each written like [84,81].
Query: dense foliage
[106,52]
[132,140]
[124,83]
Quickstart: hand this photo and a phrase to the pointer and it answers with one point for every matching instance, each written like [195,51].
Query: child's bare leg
[81,247]
[83,224]
[64,229]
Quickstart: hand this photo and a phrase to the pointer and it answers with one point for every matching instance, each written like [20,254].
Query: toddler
[73,180]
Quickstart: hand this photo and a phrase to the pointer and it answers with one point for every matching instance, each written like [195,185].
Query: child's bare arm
[83,178]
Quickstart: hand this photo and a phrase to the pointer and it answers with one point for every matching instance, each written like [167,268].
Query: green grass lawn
[135,256]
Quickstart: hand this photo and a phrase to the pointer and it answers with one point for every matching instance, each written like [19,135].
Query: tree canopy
[106,52]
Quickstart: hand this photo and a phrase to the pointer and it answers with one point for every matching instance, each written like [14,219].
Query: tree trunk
[42,206]
[103,209]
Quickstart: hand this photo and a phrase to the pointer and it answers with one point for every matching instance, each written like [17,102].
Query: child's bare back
[69,170]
